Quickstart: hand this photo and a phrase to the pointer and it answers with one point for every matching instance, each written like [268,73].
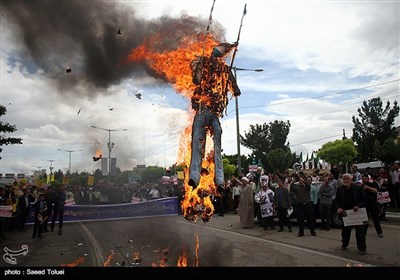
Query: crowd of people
[260,198]
[45,204]
[257,198]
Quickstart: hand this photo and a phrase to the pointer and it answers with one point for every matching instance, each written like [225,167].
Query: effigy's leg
[219,169]
[198,140]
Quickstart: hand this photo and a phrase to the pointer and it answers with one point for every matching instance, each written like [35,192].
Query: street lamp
[109,145]
[39,168]
[69,151]
[51,166]
[237,117]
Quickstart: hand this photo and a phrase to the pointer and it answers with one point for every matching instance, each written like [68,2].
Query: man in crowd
[58,209]
[351,196]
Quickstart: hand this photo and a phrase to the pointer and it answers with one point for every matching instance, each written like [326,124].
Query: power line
[347,104]
[159,152]
[316,140]
[321,96]
[50,142]
[351,104]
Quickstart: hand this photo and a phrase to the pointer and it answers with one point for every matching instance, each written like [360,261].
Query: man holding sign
[351,196]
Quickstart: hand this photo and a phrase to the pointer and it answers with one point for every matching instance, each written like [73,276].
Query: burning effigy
[197,70]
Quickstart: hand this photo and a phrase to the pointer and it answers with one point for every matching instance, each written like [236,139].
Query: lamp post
[51,166]
[69,151]
[39,169]
[237,117]
[109,145]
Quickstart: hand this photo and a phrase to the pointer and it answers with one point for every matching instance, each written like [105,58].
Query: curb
[393,215]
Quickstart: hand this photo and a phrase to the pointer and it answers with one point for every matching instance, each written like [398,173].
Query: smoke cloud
[83,42]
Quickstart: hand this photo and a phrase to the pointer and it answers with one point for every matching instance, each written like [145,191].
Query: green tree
[6,127]
[261,139]
[373,123]
[389,152]
[97,175]
[78,180]
[152,174]
[279,160]
[58,175]
[229,169]
[122,177]
[338,151]
[244,161]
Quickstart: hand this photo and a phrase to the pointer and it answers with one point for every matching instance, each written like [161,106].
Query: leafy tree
[78,180]
[58,175]
[279,159]
[229,169]
[374,123]
[261,139]
[122,177]
[54,184]
[97,175]
[389,152]
[244,162]
[338,152]
[152,174]
[6,127]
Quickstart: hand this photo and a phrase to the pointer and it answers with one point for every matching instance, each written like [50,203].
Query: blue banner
[157,207]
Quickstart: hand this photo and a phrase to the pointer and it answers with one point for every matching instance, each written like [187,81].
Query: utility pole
[239,160]
[110,146]
[69,151]
[51,166]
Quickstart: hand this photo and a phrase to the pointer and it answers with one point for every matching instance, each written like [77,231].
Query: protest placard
[6,211]
[351,218]
[266,210]
[383,197]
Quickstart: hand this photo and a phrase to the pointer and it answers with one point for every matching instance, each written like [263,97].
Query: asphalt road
[222,242]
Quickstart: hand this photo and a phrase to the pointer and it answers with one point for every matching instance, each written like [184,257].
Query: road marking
[95,245]
[280,244]
[391,226]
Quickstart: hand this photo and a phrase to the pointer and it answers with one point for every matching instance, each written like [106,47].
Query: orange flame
[98,155]
[74,263]
[197,249]
[136,258]
[162,258]
[182,260]
[175,67]
[107,262]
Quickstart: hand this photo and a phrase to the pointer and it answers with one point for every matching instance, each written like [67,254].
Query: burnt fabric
[213,79]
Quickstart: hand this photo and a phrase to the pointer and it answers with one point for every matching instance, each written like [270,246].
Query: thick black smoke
[90,38]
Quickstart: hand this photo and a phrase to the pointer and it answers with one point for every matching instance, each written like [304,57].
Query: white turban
[245,179]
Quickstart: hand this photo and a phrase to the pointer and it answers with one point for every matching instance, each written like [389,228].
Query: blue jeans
[199,132]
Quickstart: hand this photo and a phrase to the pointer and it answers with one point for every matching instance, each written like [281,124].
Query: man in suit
[24,208]
[351,196]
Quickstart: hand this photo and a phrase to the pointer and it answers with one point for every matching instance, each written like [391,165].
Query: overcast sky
[321,59]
